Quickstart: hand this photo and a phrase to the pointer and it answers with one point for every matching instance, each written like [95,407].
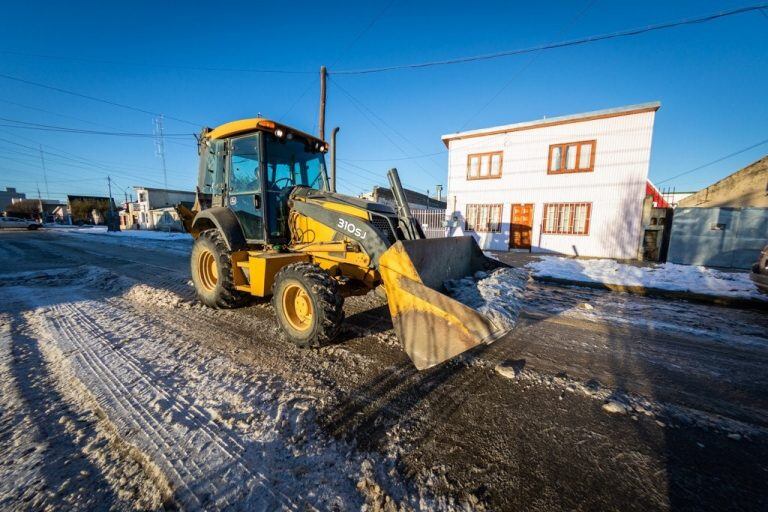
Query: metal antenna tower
[45,174]
[160,151]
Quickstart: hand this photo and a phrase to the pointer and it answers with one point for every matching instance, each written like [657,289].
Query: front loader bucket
[432,326]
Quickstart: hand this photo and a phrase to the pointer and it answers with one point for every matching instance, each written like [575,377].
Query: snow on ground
[666,276]
[497,294]
[153,410]
[176,242]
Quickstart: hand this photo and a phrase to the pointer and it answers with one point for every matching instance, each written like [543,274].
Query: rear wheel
[211,266]
[308,305]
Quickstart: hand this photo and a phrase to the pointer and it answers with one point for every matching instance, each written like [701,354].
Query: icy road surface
[118,391]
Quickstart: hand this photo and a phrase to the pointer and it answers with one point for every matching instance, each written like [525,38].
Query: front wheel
[308,305]
[211,266]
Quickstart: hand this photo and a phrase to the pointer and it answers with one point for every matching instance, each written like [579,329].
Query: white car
[15,222]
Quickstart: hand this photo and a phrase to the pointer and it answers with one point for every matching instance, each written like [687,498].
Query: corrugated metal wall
[718,237]
[616,188]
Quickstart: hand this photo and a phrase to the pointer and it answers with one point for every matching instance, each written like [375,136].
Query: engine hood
[370,206]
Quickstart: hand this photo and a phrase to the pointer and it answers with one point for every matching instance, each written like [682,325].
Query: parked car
[15,222]
[760,271]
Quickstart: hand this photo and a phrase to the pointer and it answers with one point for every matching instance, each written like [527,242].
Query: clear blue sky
[711,79]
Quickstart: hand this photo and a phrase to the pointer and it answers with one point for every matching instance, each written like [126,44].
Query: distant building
[88,209]
[725,224]
[154,207]
[40,209]
[129,215]
[8,195]
[746,187]
[656,223]
[415,199]
[674,198]
[572,185]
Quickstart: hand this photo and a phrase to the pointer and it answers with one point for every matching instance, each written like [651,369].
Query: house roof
[553,121]
[155,189]
[411,195]
[658,198]
[71,198]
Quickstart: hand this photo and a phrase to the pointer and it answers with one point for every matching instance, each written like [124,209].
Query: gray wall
[718,237]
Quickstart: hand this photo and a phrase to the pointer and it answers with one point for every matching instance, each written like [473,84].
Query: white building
[153,208]
[572,185]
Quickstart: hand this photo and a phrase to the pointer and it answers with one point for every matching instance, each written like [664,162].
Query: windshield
[290,163]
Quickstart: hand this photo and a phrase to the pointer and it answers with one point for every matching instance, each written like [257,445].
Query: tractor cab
[251,166]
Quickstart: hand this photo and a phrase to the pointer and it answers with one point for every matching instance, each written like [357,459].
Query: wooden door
[521,226]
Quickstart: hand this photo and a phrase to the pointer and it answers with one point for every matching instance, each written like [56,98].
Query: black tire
[327,304]
[217,292]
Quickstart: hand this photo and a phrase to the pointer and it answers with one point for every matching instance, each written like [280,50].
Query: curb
[733,302]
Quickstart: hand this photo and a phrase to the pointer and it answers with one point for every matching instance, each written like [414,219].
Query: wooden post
[321,117]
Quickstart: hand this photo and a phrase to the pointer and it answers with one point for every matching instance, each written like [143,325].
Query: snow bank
[131,233]
[666,276]
[498,294]
[174,242]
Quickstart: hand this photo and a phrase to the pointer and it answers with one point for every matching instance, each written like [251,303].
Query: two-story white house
[572,185]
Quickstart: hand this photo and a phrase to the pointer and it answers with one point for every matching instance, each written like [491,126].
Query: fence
[432,222]
[718,237]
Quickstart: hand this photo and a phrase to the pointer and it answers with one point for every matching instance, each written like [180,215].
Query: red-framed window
[572,157]
[483,166]
[566,218]
[483,218]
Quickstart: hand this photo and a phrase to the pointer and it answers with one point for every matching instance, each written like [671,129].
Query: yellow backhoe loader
[266,222]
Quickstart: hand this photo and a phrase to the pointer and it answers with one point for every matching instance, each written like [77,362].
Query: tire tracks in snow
[225,435]
[189,467]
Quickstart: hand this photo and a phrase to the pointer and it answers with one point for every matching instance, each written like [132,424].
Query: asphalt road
[691,380]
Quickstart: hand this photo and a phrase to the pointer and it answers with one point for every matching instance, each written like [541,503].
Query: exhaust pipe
[333,158]
[412,229]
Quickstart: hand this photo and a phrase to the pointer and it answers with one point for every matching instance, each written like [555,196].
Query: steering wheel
[277,182]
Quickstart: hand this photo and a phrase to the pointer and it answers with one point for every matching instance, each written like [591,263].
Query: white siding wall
[616,188]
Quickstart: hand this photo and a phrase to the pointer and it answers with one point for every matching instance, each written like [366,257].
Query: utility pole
[111,219]
[45,174]
[39,201]
[321,117]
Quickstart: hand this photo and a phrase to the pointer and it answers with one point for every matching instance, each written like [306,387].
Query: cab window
[244,165]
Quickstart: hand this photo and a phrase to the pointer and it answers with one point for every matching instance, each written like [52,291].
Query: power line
[156,65]
[95,166]
[85,163]
[87,121]
[336,60]
[714,161]
[562,44]
[414,157]
[527,65]
[93,98]
[46,127]
[358,104]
